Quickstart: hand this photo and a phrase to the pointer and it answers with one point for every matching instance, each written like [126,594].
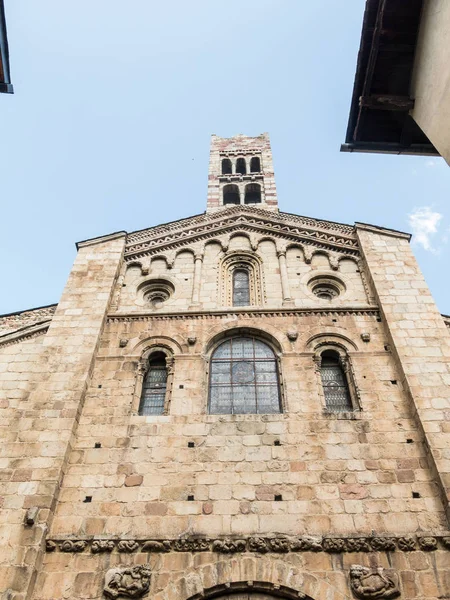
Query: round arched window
[244,378]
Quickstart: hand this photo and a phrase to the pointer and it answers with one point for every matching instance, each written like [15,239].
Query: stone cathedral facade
[241,404]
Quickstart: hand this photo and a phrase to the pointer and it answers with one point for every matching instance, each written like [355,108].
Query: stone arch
[184,249]
[242,233]
[341,346]
[250,588]
[222,243]
[222,332]
[240,259]
[267,238]
[331,338]
[157,346]
[144,347]
[168,260]
[281,572]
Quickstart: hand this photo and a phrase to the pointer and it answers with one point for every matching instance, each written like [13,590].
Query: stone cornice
[257,544]
[101,239]
[383,230]
[295,228]
[117,317]
[26,333]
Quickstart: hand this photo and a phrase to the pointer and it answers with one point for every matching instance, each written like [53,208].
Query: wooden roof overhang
[5,79]
[379,118]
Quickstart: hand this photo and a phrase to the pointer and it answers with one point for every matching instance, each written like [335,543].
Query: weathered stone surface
[283,498]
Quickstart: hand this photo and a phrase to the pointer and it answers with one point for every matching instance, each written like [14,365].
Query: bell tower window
[226,167]
[241,166]
[231,194]
[255,165]
[252,194]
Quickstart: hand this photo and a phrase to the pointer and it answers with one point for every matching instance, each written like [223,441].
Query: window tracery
[244,378]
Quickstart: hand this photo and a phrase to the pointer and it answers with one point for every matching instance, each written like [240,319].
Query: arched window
[255,165]
[153,394]
[244,378]
[334,382]
[241,166]
[231,194]
[241,287]
[226,166]
[252,193]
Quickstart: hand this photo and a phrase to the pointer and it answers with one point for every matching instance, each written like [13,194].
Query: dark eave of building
[5,78]
[379,118]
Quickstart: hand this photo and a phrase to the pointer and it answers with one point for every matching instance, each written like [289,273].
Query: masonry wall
[360,487]
[290,499]
[41,414]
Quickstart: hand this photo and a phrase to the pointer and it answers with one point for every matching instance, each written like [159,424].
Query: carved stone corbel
[370,584]
[130,582]
[308,253]
[334,261]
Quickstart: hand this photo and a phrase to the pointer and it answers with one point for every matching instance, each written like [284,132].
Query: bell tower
[241,172]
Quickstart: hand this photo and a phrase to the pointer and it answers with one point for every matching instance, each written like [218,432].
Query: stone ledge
[259,545]
[371,311]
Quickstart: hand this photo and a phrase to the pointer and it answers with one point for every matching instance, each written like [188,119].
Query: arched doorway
[250,590]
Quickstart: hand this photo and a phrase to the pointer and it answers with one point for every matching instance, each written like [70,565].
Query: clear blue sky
[115,102]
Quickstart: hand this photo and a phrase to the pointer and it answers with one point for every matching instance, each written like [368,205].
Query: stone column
[419,338]
[54,406]
[197,278]
[284,277]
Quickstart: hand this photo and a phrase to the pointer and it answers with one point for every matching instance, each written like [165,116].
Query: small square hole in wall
[386,348]
[334,320]
[88,499]
[99,387]
[191,444]
[278,497]
[379,319]
[97,445]
[191,498]
[277,443]
[394,381]
[181,387]
[410,441]
[415,495]
[124,285]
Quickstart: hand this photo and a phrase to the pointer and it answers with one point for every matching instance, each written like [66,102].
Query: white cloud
[424,223]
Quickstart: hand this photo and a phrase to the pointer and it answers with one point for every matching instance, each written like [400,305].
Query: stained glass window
[334,381]
[244,378]
[154,389]
[241,287]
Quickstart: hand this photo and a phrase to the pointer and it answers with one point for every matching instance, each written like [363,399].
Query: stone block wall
[39,416]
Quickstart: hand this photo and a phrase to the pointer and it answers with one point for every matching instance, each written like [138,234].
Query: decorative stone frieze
[203,227]
[127,546]
[243,314]
[261,545]
[99,546]
[369,584]
[129,582]
[428,543]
